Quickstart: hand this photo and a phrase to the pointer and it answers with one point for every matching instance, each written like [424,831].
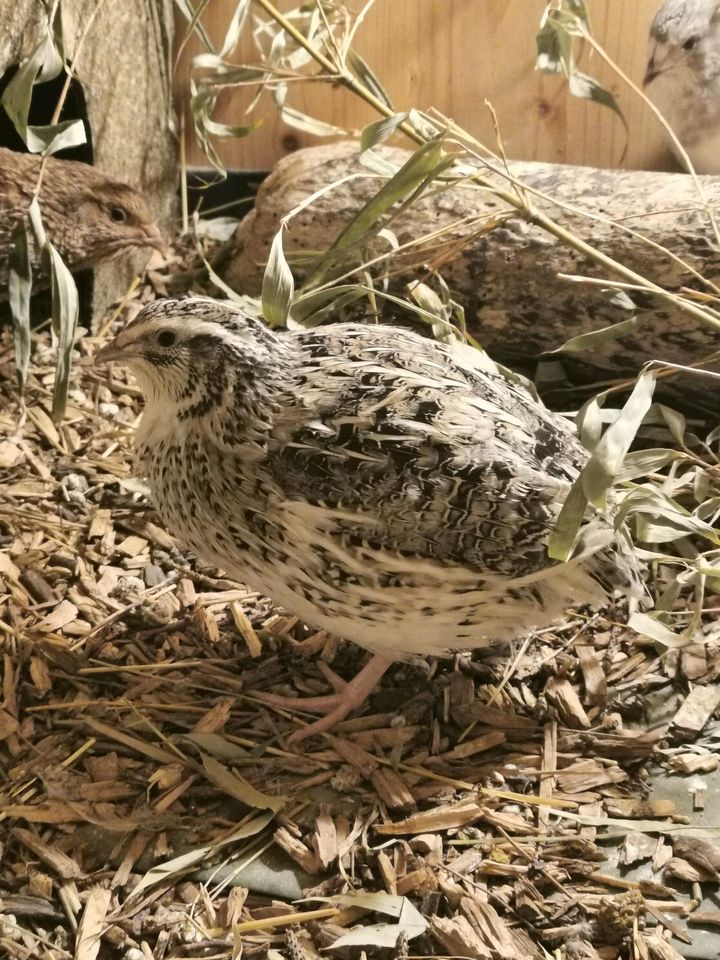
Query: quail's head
[183,350]
[685,39]
[96,219]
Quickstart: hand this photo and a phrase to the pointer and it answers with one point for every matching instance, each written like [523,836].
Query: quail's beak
[651,72]
[155,239]
[661,58]
[111,351]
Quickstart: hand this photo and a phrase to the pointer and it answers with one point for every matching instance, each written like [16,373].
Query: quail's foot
[336,706]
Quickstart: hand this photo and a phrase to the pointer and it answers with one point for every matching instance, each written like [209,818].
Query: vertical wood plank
[455,55]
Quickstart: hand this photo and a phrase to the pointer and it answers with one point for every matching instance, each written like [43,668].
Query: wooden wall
[455,54]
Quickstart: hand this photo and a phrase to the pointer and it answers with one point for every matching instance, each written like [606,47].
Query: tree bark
[124,68]
[507,277]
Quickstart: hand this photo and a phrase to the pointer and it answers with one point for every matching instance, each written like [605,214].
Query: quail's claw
[336,706]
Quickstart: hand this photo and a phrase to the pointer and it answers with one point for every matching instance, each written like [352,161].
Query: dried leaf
[409,921]
[162,872]
[605,461]
[235,786]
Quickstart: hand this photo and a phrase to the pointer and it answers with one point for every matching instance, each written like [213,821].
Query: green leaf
[306,123]
[586,88]
[363,72]
[426,163]
[588,341]
[19,291]
[378,132]
[569,521]
[278,285]
[607,457]
[44,63]
[64,308]
[61,136]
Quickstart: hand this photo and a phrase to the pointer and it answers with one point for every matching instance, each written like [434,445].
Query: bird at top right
[682,77]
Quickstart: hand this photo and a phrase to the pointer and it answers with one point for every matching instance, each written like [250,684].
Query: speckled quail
[89,216]
[393,490]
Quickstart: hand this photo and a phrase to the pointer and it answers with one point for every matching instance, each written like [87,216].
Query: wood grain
[455,55]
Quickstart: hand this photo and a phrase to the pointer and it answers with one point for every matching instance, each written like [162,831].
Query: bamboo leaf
[558,28]
[303,121]
[65,307]
[641,462]
[607,457]
[278,285]
[193,15]
[235,786]
[567,526]
[649,626]
[587,88]
[162,872]
[61,136]
[235,27]
[19,291]
[409,920]
[44,63]
[363,72]
[378,132]
[425,163]
[588,341]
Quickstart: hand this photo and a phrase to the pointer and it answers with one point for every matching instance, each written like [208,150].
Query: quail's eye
[118,215]
[691,43]
[166,338]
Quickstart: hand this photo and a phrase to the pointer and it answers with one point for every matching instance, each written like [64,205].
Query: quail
[393,490]
[683,76]
[89,216]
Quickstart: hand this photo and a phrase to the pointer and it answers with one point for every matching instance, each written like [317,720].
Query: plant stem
[346,78]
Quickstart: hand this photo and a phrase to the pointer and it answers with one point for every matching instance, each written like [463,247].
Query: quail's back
[393,490]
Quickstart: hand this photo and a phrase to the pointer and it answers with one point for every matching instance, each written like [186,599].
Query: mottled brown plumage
[88,216]
[393,490]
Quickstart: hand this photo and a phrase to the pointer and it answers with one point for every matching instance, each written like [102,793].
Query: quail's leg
[336,706]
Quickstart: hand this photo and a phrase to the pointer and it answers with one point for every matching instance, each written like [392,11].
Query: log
[125,71]
[507,278]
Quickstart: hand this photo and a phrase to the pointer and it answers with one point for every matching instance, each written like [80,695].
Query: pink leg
[336,706]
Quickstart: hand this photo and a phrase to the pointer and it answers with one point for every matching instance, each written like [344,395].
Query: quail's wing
[396,442]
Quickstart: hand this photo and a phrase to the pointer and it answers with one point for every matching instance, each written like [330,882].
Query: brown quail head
[89,216]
